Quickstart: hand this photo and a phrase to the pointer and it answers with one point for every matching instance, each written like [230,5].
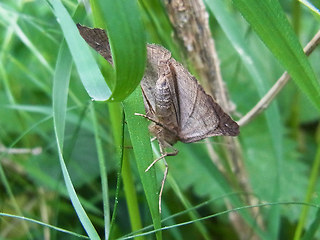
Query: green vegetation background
[279,147]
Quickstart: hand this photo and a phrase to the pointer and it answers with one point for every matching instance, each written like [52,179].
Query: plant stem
[277,87]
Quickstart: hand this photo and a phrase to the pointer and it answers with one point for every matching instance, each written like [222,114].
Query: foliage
[44,104]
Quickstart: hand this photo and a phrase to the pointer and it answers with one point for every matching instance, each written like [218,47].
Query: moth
[177,105]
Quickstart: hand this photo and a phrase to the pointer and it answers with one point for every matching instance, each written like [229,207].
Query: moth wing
[150,111]
[97,39]
[150,77]
[200,115]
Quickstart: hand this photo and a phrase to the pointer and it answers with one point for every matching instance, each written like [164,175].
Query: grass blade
[127,42]
[103,173]
[140,138]
[308,198]
[86,65]
[61,85]
[273,28]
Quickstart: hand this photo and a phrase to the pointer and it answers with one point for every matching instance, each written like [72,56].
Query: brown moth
[177,105]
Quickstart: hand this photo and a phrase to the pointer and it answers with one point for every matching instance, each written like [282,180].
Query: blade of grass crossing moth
[229,26]
[61,85]
[275,31]
[116,117]
[97,15]
[127,42]
[115,109]
[86,65]
[140,138]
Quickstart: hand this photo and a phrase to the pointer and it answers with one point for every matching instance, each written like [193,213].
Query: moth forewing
[200,115]
[97,39]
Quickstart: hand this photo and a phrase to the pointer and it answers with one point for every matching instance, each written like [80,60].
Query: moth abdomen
[163,95]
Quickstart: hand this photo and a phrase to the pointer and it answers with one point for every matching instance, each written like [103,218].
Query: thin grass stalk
[131,193]
[314,175]
[103,173]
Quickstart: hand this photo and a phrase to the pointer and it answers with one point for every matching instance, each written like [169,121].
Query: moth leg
[156,160]
[162,182]
[163,155]
[153,120]
[145,116]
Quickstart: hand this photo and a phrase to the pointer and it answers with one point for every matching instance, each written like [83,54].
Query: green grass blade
[310,6]
[44,224]
[310,233]
[127,42]
[124,28]
[103,172]
[140,138]
[310,192]
[60,91]
[270,23]
[23,37]
[130,192]
[61,85]
[158,26]
[86,65]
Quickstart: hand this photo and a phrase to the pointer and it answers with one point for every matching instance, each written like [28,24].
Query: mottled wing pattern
[97,39]
[148,83]
[200,115]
